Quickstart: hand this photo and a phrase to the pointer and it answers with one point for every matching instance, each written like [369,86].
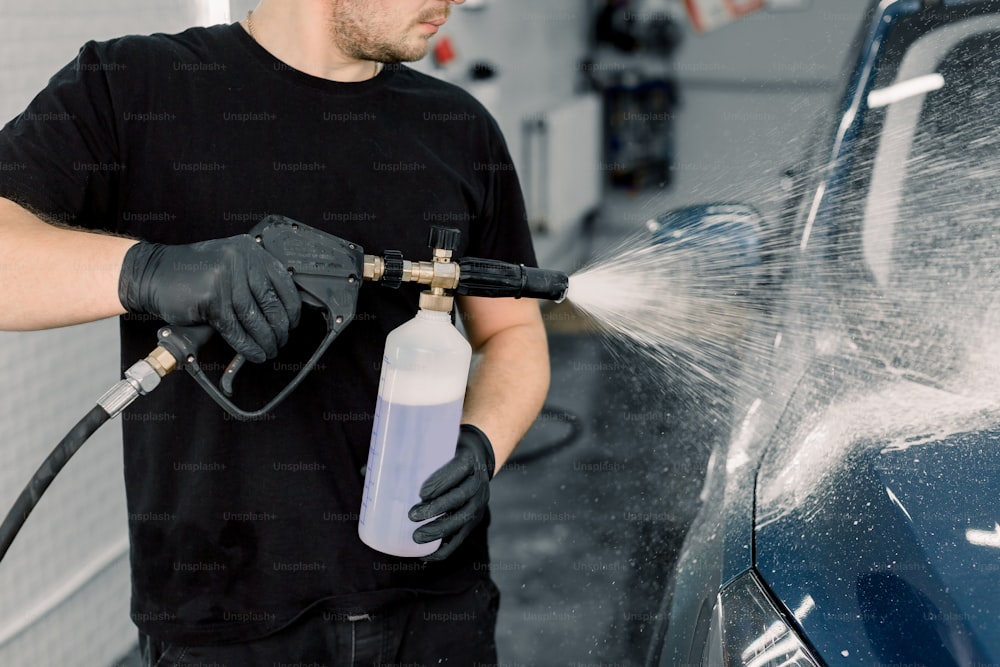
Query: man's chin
[413,50]
[413,55]
[400,52]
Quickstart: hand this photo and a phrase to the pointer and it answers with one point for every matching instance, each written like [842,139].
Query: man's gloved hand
[459,491]
[231,284]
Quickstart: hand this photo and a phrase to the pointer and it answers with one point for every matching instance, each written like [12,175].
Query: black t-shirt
[238,527]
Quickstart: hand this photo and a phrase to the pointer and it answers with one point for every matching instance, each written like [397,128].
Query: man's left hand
[457,494]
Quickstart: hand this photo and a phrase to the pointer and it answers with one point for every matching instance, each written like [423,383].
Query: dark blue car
[853,518]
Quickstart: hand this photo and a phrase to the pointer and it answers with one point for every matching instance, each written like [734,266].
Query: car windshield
[918,210]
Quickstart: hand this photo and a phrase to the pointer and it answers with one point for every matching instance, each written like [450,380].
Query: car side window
[917,212]
[930,237]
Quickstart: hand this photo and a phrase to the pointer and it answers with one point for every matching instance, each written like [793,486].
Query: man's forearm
[508,386]
[53,276]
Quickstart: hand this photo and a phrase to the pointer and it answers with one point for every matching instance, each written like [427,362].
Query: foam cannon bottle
[425,370]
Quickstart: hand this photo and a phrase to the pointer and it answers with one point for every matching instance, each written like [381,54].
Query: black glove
[231,284]
[459,491]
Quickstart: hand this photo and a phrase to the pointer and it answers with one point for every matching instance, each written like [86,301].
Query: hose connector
[140,379]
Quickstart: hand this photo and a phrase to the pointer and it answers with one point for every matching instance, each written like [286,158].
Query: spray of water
[675,305]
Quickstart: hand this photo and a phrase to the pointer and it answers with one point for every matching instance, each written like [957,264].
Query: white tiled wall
[64,584]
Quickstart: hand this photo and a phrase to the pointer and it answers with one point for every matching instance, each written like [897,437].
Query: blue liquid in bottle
[418,440]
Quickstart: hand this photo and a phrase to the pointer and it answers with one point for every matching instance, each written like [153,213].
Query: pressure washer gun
[328,272]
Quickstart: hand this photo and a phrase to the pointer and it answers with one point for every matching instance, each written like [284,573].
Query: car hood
[878,527]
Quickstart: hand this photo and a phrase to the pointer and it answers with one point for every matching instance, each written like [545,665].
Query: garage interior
[586,520]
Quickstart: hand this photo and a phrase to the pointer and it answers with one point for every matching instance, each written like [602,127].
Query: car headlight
[748,630]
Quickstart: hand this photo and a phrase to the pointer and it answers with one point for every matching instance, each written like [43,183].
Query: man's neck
[295,35]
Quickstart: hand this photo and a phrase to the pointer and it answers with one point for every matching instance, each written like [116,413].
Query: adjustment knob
[445,238]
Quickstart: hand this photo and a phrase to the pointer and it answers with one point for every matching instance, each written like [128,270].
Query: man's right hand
[231,284]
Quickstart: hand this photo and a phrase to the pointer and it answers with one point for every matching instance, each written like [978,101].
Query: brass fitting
[437,274]
[441,275]
[374,268]
[161,361]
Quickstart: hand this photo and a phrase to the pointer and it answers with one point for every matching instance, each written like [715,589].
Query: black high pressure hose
[140,379]
[55,461]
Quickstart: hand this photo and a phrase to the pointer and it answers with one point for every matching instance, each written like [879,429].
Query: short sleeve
[503,233]
[60,156]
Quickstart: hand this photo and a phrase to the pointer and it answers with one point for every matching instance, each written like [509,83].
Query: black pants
[453,630]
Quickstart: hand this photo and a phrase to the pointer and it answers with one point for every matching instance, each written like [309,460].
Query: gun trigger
[226,383]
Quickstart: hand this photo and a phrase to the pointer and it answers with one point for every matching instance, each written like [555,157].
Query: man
[141,167]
